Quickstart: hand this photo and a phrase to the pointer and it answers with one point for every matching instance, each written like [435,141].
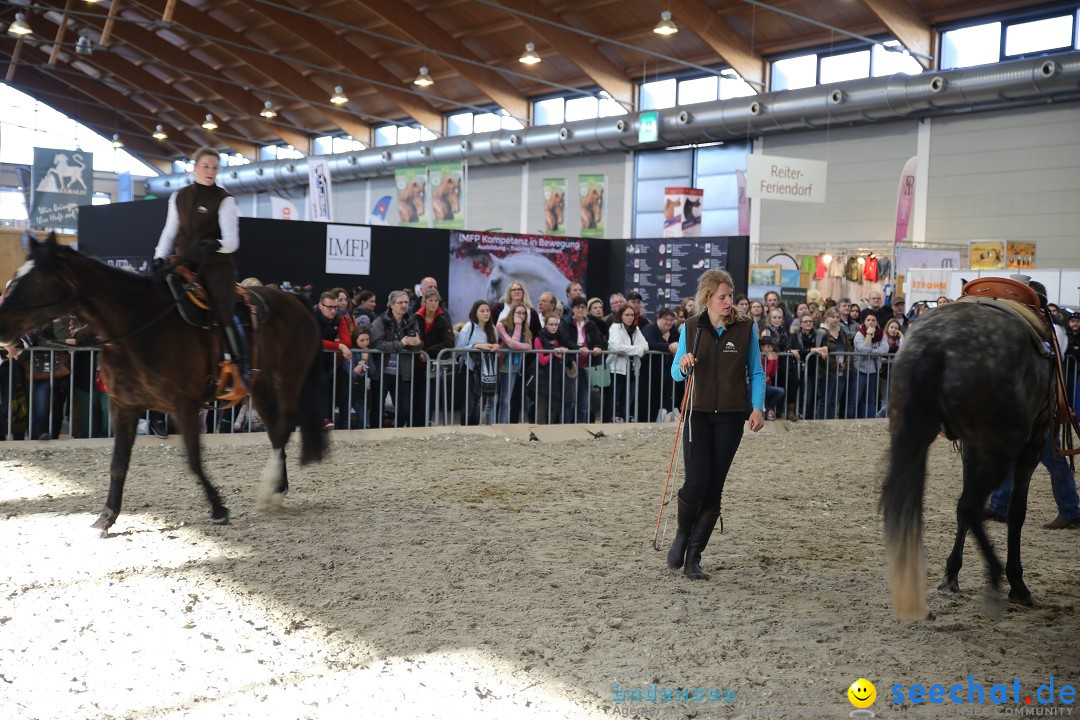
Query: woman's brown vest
[720,375]
[197,210]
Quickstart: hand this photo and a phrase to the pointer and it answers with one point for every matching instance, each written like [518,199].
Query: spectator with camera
[334,336]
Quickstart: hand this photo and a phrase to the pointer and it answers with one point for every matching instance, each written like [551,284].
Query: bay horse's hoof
[1022,598]
[949,587]
[223,520]
[104,522]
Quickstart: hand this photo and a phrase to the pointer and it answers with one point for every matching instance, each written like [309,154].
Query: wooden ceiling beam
[578,50]
[147,43]
[275,71]
[136,77]
[417,26]
[907,26]
[735,50]
[355,62]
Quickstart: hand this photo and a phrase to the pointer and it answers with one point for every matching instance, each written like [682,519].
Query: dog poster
[593,209]
[682,211]
[412,196]
[554,206]
[447,181]
[62,181]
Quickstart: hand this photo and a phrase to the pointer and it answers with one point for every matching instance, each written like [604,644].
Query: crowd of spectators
[575,359]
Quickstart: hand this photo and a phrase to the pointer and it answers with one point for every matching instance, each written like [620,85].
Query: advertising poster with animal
[483,264]
[593,210]
[986,254]
[555,206]
[62,181]
[447,183]
[1019,255]
[682,212]
[412,196]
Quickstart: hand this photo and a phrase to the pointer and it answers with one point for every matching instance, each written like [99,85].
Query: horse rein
[158,318]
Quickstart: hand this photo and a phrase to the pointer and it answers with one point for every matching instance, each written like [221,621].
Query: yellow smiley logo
[862,693]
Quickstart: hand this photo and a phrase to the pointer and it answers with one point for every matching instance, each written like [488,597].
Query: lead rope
[673,462]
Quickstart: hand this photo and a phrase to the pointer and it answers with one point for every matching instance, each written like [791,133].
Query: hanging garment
[884,268]
[836,267]
[822,267]
[809,263]
[852,270]
[870,269]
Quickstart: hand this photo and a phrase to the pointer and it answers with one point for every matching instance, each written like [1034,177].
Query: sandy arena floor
[482,576]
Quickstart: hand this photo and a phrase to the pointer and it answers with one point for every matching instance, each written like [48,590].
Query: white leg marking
[271,476]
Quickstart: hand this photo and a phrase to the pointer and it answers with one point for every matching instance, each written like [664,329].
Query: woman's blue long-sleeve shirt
[753,366]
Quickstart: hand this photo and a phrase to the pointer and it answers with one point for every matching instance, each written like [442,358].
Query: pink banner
[905,199]
[744,204]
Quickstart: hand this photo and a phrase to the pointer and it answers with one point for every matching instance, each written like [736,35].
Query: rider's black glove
[158,266]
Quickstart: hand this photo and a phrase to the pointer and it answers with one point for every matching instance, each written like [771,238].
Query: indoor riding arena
[516,359]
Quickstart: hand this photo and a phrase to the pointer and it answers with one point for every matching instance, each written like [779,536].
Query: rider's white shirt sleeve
[229,222]
[168,233]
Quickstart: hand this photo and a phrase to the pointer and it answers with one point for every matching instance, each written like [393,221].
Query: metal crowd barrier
[445,391]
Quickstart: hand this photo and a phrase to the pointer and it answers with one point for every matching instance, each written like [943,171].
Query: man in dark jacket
[579,334]
[396,336]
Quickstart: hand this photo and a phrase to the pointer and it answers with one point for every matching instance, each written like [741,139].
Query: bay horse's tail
[914,421]
[312,437]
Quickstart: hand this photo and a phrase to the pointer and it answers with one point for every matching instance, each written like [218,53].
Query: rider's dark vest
[197,209]
[720,375]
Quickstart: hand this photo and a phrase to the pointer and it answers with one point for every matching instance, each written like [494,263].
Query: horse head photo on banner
[446,200]
[592,207]
[554,206]
[411,201]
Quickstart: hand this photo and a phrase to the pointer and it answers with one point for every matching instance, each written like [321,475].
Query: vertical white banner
[348,250]
[319,191]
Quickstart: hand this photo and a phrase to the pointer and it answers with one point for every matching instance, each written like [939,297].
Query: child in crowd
[769,363]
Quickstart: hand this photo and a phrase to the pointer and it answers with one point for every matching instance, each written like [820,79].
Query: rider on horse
[202,228]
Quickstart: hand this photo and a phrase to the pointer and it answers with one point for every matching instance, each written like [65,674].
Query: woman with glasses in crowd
[625,338]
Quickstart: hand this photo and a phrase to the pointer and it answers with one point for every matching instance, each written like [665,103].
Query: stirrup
[230,387]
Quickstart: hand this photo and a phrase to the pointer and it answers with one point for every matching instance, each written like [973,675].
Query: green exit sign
[648,127]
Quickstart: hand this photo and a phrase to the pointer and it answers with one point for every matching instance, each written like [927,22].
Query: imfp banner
[483,264]
[348,250]
[62,181]
[781,178]
[319,191]
[447,180]
[555,206]
[412,196]
[593,210]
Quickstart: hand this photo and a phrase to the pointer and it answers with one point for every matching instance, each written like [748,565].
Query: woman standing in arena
[723,352]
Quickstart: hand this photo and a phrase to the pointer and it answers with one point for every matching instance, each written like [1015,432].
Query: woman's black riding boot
[687,514]
[699,538]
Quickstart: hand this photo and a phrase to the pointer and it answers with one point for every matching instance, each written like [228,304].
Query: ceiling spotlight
[423,79]
[19,27]
[530,57]
[208,123]
[84,46]
[268,110]
[338,98]
[116,141]
[665,26]
[159,133]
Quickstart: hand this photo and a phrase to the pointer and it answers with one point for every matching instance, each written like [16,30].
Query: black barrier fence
[48,393]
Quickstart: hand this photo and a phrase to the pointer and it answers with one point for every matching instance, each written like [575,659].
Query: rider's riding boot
[699,538]
[687,514]
[231,386]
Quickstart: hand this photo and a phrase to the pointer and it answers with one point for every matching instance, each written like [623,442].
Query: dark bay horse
[153,359]
[977,374]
